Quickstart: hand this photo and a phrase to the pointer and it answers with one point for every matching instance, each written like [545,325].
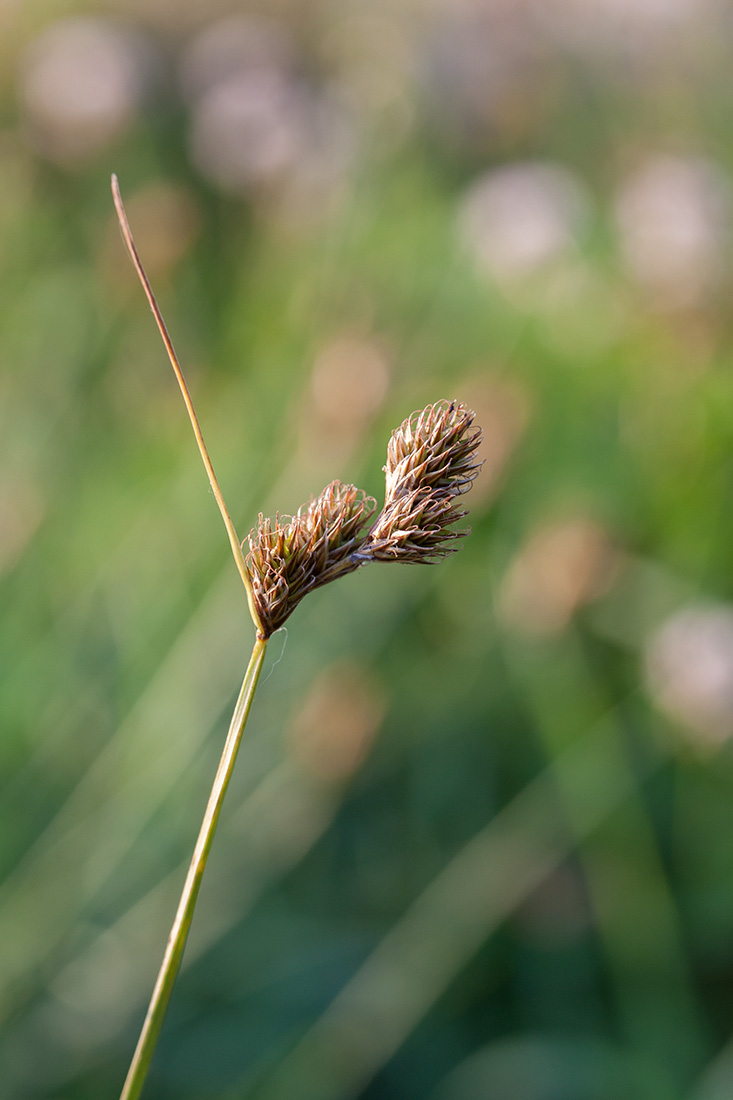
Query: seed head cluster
[431,460]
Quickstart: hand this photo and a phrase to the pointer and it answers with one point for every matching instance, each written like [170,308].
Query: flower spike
[431,459]
[290,556]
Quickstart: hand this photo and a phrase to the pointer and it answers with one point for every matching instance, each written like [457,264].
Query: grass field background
[479,843]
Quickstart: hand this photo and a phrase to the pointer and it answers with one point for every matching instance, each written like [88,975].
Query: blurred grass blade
[423,952]
[632,901]
[125,785]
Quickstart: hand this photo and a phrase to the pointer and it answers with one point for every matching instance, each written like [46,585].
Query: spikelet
[431,459]
[290,556]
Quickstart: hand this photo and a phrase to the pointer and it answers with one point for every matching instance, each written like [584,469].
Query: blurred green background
[479,843]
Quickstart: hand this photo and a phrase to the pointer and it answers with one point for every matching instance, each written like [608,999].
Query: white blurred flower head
[689,671]
[522,218]
[229,47]
[623,28]
[80,85]
[238,75]
[247,129]
[673,216]
[486,72]
[257,127]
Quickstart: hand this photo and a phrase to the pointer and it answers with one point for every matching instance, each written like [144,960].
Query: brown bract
[431,460]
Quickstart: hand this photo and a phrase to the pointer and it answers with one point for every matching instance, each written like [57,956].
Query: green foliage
[474,846]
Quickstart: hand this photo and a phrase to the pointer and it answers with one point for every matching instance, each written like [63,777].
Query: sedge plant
[431,460]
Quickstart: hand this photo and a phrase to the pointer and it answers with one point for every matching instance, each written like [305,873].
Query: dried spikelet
[432,449]
[290,556]
[414,527]
[431,459]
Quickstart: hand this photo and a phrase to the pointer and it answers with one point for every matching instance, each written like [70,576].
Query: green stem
[179,932]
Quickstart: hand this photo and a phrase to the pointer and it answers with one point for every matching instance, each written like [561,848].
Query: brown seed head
[433,449]
[290,556]
[431,458]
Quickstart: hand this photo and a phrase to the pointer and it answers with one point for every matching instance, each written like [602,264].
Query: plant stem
[234,539]
[179,932]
